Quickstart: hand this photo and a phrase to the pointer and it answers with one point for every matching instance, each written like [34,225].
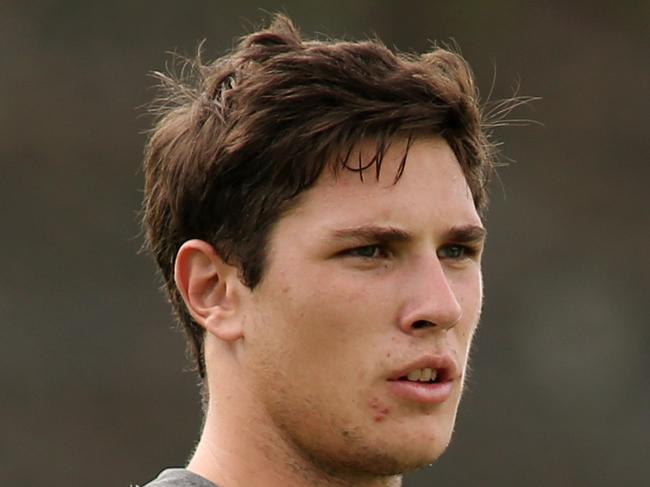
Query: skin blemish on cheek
[379,410]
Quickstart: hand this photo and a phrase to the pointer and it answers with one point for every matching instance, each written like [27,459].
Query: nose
[430,301]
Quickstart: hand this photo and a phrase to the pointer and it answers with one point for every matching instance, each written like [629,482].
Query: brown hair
[236,144]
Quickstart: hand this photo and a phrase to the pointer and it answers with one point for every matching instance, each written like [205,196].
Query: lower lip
[421,392]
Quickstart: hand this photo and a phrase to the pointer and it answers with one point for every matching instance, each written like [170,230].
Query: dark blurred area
[95,389]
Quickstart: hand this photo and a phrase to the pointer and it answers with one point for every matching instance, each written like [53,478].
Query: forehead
[431,187]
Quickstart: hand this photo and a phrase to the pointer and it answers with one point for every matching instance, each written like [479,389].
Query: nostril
[422,324]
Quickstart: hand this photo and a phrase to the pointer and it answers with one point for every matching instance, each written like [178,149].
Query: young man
[314,208]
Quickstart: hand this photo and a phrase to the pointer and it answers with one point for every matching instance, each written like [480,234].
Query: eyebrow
[467,234]
[372,233]
[458,234]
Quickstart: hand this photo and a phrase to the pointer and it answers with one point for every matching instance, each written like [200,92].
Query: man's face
[366,282]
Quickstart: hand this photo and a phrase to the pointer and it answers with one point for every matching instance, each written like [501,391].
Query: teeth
[415,375]
[423,375]
[426,375]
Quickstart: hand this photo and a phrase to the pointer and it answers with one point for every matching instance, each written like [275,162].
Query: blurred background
[95,389]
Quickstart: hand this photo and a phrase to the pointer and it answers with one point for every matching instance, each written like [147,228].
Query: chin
[412,459]
[391,463]
[416,449]
[395,453]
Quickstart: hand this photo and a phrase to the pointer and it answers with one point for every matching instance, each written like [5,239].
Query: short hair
[237,141]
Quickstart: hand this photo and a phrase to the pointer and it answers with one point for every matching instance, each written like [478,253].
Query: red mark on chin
[380,411]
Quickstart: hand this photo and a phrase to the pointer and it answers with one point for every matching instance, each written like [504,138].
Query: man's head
[314,206]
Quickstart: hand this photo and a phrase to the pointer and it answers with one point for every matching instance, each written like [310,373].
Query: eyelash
[465,252]
[354,252]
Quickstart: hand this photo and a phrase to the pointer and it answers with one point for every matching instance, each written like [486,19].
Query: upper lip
[443,363]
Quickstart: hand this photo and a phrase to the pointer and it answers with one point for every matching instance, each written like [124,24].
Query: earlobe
[210,289]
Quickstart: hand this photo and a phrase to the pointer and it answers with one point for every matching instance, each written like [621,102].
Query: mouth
[428,380]
[426,375]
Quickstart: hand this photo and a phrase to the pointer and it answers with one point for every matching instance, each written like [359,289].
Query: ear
[210,288]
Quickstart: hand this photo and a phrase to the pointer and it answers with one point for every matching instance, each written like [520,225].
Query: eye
[456,252]
[368,252]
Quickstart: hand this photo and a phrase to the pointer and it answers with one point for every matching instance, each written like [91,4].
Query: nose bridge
[430,299]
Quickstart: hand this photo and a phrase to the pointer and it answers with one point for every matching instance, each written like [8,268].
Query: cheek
[378,410]
[469,293]
[314,327]
[328,303]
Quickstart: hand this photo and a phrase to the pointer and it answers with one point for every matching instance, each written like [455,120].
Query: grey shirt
[179,477]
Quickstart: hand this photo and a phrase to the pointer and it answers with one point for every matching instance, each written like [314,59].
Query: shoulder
[179,477]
